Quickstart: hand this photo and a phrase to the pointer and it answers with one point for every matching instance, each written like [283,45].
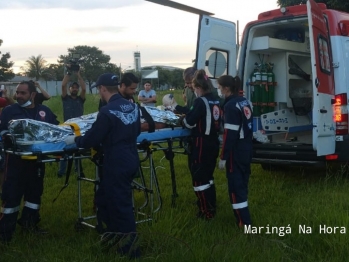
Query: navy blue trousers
[22,178]
[114,204]
[238,170]
[203,158]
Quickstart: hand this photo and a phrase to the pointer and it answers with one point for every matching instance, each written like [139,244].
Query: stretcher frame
[151,194]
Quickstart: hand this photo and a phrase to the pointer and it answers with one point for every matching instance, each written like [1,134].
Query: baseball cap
[107,79]
[75,83]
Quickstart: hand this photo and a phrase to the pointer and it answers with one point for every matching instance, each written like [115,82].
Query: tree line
[93,63]
[340,5]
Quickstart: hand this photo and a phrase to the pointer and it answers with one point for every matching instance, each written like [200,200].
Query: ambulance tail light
[341,114]
[331,157]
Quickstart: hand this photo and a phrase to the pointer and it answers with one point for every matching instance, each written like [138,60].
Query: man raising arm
[73,106]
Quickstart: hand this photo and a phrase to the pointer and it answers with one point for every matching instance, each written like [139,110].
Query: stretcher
[167,140]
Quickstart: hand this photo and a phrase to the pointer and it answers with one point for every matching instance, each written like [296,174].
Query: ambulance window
[216,63]
[324,56]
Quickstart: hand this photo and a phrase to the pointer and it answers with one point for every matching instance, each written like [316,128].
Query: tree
[164,75]
[331,4]
[339,5]
[35,67]
[177,78]
[93,62]
[6,72]
[173,78]
[54,72]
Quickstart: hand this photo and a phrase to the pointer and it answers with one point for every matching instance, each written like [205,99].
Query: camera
[74,61]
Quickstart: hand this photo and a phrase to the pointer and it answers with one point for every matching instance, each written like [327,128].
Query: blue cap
[107,79]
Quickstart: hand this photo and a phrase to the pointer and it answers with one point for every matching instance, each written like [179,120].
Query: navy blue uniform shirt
[15,111]
[116,128]
[204,119]
[238,125]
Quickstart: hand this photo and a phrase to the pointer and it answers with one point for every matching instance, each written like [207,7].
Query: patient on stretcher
[29,133]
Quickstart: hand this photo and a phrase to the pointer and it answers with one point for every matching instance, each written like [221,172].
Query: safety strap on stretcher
[75,127]
[66,183]
[29,157]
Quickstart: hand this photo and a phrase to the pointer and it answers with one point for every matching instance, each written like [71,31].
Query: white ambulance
[294,63]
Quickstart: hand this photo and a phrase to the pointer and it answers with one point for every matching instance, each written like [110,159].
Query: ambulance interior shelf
[288,108]
[269,45]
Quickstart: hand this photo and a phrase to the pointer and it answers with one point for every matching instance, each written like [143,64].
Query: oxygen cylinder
[258,76]
[253,75]
[254,90]
[271,87]
[264,90]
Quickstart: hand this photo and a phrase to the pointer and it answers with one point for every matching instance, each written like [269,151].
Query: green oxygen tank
[264,89]
[255,97]
[271,86]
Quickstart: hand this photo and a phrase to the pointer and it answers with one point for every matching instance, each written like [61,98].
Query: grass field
[278,200]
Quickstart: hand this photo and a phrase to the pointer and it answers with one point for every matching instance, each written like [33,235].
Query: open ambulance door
[216,49]
[323,86]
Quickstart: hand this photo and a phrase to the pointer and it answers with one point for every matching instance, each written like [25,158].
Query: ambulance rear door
[323,86]
[216,49]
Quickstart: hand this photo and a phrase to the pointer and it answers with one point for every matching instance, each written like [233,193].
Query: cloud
[68,4]
[96,30]
[117,27]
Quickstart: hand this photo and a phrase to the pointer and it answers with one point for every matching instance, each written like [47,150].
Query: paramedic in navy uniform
[116,128]
[204,119]
[22,177]
[236,154]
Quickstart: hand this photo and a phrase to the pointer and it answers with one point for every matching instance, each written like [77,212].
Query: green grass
[279,199]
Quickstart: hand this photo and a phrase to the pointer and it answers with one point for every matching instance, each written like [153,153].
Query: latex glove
[221,164]
[169,102]
[70,139]
[171,108]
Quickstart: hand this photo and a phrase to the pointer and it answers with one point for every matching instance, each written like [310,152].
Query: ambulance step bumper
[289,162]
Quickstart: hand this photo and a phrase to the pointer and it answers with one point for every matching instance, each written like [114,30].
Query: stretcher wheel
[78,226]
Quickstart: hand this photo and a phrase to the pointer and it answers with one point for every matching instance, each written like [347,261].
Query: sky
[162,35]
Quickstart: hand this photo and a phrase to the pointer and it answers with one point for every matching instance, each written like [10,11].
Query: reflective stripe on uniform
[202,188]
[242,135]
[8,210]
[231,127]
[31,205]
[240,205]
[187,125]
[208,116]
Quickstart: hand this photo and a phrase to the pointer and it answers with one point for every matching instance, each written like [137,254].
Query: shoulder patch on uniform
[216,112]
[247,112]
[127,118]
